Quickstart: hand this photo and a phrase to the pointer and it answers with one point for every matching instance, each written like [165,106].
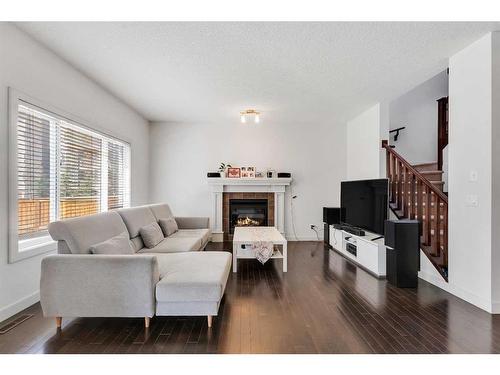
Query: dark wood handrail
[413,196]
[435,190]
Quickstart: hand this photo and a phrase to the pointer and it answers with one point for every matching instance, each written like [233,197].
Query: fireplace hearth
[248,213]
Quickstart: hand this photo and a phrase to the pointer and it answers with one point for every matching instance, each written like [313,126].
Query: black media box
[284,175]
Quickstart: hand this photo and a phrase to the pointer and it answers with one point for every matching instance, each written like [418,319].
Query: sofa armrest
[193,222]
[98,285]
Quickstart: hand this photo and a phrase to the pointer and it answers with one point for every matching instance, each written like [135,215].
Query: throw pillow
[169,226]
[116,245]
[151,235]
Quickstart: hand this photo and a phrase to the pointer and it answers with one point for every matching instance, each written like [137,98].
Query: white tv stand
[369,254]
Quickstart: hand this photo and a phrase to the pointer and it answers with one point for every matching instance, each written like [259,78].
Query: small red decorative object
[233,172]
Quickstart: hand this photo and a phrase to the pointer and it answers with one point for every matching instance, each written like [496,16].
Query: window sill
[30,248]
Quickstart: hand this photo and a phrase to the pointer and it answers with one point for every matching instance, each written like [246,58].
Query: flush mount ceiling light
[248,114]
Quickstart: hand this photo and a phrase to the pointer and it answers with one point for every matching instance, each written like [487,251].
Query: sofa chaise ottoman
[171,278]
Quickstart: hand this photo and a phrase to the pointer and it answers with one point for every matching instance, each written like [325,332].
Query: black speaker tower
[403,252]
[331,216]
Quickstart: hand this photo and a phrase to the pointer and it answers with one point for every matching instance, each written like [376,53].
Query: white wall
[30,68]
[182,154]
[495,256]
[470,149]
[365,157]
[384,126]
[417,110]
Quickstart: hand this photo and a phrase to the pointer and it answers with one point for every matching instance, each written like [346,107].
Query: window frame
[43,244]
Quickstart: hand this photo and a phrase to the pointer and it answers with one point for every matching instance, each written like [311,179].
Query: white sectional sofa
[172,278]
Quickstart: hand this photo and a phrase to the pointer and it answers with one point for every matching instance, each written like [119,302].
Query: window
[63,170]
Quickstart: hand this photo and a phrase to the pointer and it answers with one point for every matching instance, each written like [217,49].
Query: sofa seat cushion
[202,234]
[192,277]
[175,245]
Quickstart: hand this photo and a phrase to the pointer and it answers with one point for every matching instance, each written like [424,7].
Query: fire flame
[247,222]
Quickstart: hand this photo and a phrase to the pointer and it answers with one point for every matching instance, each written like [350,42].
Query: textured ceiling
[300,72]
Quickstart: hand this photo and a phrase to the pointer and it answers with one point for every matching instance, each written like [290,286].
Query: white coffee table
[245,237]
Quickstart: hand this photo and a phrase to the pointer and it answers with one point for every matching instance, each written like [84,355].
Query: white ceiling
[303,72]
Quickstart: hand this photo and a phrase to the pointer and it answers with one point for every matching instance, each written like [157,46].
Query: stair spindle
[405,191]
[436,248]
[400,177]
[445,234]
[412,196]
[419,201]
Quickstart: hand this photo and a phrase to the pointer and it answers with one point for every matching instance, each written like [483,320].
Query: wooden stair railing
[412,196]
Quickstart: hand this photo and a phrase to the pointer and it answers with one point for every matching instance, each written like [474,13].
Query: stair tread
[430,172]
[424,167]
[425,164]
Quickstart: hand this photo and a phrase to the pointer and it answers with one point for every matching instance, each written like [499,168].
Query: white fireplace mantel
[246,185]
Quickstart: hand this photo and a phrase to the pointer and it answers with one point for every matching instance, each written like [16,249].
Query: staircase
[431,173]
[416,192]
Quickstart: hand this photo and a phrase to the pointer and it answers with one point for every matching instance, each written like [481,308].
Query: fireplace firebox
[248,213]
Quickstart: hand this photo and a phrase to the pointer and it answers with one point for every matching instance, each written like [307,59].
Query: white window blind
[80,155]
[65,170]
[118,175]
[34,155]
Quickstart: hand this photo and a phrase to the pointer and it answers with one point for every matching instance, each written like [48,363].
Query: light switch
[472,200]
[473,176]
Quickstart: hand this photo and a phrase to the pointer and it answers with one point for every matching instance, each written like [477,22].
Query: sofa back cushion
[161,211]
[116,245]
[81,233]
[135,218]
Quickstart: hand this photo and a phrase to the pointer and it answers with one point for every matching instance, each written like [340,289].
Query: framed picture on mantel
[247,172]
[233,173]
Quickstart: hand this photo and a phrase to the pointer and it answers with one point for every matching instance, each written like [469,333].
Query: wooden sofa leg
[58,321]
[209,320]
[146,321]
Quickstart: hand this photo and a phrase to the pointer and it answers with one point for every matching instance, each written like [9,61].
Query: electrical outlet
[473,176]
[313,226]
[471,200]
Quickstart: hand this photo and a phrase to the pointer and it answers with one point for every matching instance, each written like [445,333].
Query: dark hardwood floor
[324,304]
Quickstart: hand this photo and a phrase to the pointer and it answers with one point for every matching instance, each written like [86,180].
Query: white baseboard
[493,308]
[12,309]
[305,238]
[434,280]
[471,298]
[217,237]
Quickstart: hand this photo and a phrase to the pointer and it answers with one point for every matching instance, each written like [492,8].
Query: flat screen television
[364,204]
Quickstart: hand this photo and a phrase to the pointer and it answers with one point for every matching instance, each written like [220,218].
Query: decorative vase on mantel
[223,169]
